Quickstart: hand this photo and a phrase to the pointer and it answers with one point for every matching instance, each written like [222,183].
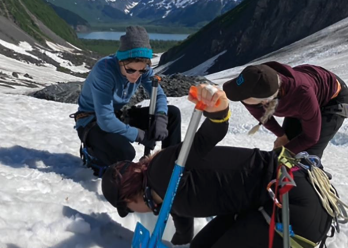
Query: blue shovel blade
[160,244]
[141,237]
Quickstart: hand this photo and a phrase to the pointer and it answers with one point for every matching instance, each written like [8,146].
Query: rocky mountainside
[252,29]
[31,32]
[36,19]
[74,20]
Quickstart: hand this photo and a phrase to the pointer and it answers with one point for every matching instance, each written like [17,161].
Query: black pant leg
[139,117]
[331,123]
[184,227]
[213,231]
[109,147]
[248,231]
[329,126]
[292,127]
[174,127]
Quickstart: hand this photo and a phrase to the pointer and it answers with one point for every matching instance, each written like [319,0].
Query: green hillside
[20,12]
[92,11]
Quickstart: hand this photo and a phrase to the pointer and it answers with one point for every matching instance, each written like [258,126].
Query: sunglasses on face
[132,71]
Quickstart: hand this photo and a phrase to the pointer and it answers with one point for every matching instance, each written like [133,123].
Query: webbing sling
[296,241]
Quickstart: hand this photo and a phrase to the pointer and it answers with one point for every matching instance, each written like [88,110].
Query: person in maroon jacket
[227,182]
[312,100]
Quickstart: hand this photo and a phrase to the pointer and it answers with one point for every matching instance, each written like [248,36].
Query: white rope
[327,193]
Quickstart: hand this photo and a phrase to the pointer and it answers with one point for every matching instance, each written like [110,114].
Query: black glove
[142,138]
[158,129]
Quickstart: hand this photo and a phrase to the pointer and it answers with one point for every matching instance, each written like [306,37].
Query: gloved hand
[142,138]
[281,141]
[158,129]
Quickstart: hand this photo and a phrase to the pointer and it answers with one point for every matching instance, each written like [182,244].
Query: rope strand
[327,194]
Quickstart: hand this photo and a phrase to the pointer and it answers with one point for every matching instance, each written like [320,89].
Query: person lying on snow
[227,182]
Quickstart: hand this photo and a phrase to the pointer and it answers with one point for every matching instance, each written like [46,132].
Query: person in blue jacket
[109,86]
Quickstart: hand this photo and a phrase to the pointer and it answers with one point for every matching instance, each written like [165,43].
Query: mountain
[183,13]
[43,39]
[96,11]
[36,19]
[252,29]
[74,20]
[194,13]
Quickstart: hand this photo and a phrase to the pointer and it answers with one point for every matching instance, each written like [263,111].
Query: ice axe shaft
[155,79]
[286,212]
[141,238]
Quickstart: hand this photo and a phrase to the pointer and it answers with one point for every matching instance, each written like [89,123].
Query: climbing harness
[338,109]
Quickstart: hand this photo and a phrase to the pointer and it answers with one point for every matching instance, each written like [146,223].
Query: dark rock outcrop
[61,92]
[252,29]
[176,85]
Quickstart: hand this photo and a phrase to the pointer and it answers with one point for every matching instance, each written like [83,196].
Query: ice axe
[142,238]
[155,79]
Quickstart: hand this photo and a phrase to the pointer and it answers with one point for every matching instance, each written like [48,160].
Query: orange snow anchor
[193,92]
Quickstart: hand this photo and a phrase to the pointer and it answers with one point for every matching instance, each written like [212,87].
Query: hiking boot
[90,161]
[98,170]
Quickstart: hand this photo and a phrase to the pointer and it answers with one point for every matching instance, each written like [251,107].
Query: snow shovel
[155,79]
[142,238]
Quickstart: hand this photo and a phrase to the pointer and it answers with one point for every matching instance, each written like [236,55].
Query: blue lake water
[117,35]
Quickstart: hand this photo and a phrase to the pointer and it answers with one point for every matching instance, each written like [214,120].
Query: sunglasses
[132,71]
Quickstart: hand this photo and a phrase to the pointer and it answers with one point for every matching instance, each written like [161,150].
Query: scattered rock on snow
[176,85]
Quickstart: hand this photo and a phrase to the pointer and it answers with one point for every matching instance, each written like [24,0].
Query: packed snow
[49,199]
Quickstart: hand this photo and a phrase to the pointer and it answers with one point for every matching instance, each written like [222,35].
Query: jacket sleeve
[209,134]
[161,101]
[257,111]
[102,91]
[310,117]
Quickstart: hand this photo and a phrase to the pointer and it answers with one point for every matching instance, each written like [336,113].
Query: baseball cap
[257,81]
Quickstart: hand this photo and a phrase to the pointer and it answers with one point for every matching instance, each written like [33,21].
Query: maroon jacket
[307,89]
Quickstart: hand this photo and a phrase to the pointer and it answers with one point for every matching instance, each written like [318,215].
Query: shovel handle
[193,92]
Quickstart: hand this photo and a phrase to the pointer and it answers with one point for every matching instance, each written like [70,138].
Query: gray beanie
[134,44]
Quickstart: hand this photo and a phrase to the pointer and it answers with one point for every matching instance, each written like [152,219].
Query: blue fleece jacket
[107,90]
